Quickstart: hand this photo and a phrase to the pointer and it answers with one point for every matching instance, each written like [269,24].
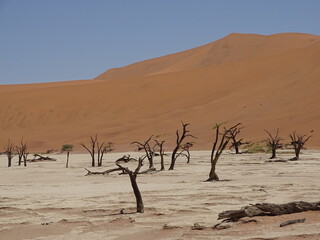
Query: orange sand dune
[265,82]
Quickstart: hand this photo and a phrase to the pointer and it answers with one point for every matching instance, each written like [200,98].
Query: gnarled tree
[235,142]
[179,143]
[133,179]
[298,141]
[67,148]
[221,140]
[22,151]
[92,148]
[159,145]
[273,142]
[145,146]
[9,149]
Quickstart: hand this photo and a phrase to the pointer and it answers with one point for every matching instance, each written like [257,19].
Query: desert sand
[264,82]
[45,200]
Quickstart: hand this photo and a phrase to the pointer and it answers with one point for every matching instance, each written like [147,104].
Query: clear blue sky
[59,40]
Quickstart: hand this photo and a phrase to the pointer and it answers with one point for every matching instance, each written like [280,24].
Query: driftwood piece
[106,172]
[301,220]
[39,158]
[269,209]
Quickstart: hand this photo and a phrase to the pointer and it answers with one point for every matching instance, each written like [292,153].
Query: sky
[62,40]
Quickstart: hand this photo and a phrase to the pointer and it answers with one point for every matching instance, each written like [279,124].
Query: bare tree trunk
[213,175]
[137,194]
[273,153]
[20,160]
[188,156]
[67,164]
[173,157]
[9,161]
[236,147]
[25,159]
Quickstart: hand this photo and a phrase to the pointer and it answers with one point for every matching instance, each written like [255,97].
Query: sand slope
[261,81]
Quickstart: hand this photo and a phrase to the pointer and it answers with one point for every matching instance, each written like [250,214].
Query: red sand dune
[264,82]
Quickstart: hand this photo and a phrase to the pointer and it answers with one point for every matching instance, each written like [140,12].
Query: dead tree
[9,149]
[22,152]
[298,142]
[145,146]
[133,179]
[273,142]
[67,148]
[92,150]
[186,150]
[161,153]
[103,149]
[97,148]
[219,145]
[236,143]
[179,143]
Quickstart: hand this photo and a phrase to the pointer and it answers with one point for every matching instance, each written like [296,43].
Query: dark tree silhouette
[298,141]
[133,179]
[22,151]
[9,149]
[145,146]
[159,144]
[236,144]
[67,148]
[92,150]
[179,143]
[273,142]
[97,148]
[219,145]
[103,149]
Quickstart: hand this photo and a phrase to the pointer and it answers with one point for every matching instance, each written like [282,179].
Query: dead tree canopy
[179,143]
[9,150]
[269,209]
[298,141]
[133,179]
[145,146]
[221,140]
[236,143]
[273,142]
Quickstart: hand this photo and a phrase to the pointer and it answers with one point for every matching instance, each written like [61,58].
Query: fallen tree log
[106,172]
[39,158]
[268,209]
